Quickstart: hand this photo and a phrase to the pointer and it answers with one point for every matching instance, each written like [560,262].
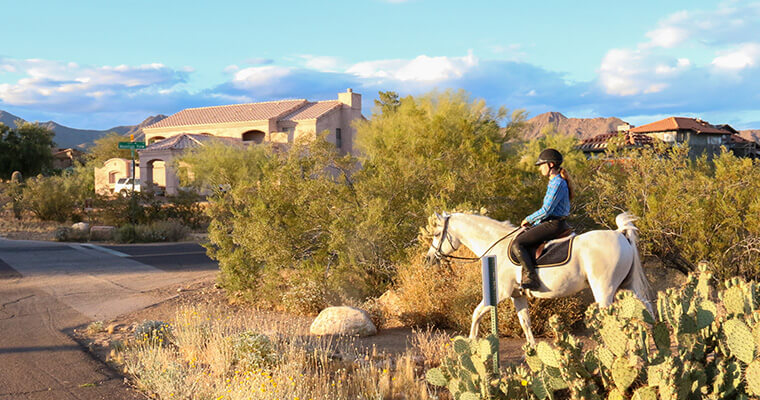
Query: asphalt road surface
[48,288]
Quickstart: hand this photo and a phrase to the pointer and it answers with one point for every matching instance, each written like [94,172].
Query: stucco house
[281,122]
[111,171]
[701,136]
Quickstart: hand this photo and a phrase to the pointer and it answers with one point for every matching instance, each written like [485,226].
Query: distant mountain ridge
[71,137]
[581,128]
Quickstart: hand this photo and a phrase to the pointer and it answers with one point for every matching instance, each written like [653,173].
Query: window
[112,177]
[122,180]
[338,138]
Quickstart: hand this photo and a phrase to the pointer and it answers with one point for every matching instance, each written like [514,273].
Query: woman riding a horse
[547,222]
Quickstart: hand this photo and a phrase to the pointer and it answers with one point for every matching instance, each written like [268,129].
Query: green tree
[106,148]
[26,148]
[434,152]
[387,103]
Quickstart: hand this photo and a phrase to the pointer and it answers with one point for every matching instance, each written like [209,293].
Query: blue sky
[93,65]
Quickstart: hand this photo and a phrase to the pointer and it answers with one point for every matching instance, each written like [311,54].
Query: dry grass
[446,295]
[205,361]
[28,228]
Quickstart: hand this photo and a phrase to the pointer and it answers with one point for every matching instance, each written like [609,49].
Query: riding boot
[529,275]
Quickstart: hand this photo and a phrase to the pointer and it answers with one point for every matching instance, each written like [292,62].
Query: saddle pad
[556,252]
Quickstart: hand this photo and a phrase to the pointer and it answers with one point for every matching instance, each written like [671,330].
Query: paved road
[47,288]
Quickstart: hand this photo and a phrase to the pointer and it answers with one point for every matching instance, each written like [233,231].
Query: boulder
[343,321]
[102,232]
[81,226]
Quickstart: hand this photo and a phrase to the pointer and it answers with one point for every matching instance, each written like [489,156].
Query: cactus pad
[752,377]
[645,393]
[739,340]
[435,377]
[733,300]
[613,335]
[623,373]
[547,354]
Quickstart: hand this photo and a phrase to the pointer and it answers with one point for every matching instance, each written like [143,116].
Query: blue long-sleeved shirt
[556,201]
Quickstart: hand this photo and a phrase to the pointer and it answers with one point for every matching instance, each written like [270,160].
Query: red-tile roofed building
[701,136]
[280,122]
[597,145]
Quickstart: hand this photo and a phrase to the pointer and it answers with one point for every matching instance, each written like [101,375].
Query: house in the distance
[65,158]
[282,122]
[701,136]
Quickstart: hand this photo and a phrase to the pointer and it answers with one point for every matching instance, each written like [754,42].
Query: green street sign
[132,145]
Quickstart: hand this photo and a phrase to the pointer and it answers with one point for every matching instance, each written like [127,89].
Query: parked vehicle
[124,186]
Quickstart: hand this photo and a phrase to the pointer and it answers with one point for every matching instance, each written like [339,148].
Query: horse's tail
[636,280]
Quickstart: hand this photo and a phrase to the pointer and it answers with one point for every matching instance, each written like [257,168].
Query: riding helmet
[550,155]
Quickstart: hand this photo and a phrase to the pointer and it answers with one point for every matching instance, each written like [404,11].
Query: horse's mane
[493,222]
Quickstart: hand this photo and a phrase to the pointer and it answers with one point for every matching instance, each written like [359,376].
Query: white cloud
[321,63]
[667,37]
[422,68]
[260,76]
[747,55]
[59,86]
[671,60]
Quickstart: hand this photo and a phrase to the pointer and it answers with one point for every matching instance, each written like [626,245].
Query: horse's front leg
[477,315]
[521,306]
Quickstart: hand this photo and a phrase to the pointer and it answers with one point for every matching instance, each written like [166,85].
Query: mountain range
[581,128]
[66,137]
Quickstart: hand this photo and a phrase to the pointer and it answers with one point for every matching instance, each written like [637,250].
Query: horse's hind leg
[477,315]
[521,306]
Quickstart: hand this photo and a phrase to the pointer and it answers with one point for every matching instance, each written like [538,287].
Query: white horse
[604,260]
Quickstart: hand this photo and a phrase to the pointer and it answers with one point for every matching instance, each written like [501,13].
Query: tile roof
[676,123]
[185,141]
[599,142]
[313,110]
[230,113]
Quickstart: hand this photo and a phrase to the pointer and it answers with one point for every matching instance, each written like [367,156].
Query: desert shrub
[253,351]
[306,296]
[58,197]
[159,231]
[155,332]
[445,296]
[689,209]
[66,234]
[126,233]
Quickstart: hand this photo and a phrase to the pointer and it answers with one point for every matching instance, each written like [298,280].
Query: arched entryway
[255,136]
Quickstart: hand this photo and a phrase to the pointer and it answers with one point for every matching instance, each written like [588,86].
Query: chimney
[351,99]
[624,127]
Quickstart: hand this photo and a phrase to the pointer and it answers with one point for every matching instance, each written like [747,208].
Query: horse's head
[443,243]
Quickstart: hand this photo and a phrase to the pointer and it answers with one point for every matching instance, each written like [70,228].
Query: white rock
[343,321]
[81,226]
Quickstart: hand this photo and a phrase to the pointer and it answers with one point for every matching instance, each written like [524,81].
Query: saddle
[552,253]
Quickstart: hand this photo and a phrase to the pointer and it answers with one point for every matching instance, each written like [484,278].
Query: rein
[445,236]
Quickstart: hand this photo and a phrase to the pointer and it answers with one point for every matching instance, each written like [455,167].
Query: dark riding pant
[535,235]
[522,247]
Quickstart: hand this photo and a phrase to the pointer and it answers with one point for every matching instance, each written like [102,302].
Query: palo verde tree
[424,154]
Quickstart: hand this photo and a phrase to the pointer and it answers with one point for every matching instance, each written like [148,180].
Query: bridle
[445,236]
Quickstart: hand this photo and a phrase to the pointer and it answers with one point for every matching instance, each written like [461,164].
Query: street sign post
[132,145]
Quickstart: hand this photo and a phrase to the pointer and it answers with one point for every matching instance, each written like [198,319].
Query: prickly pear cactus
[466,371]
[704,343]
